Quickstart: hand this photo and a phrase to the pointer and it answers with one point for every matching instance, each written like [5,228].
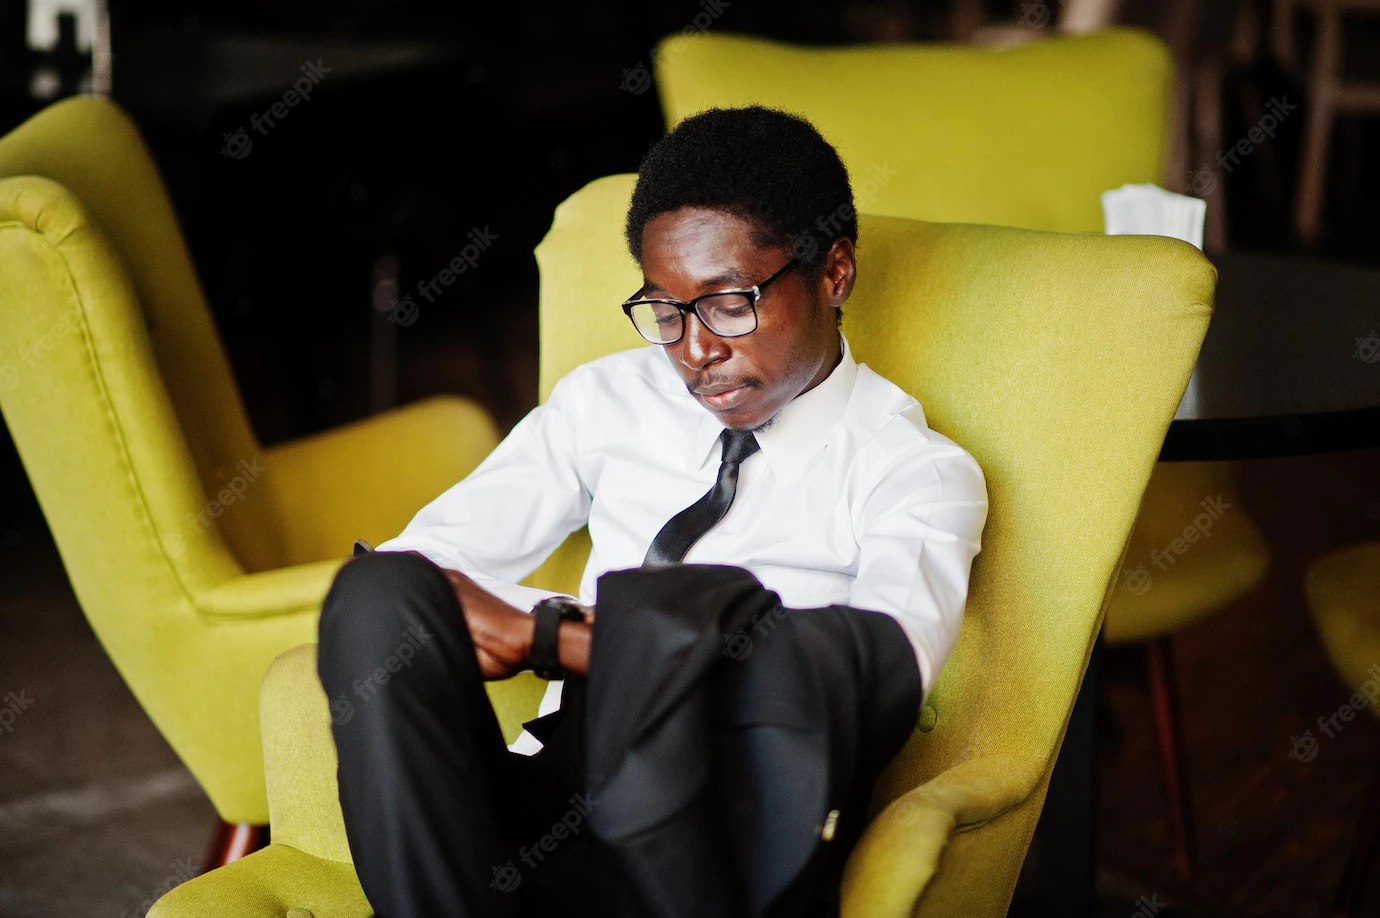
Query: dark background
[439,119]
[508,110]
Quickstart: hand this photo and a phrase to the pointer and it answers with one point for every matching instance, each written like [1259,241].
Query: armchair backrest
[1057,360]
[90,147]
[1028,136]
[94,423]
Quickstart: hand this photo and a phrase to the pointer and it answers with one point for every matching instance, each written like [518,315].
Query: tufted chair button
[928,716]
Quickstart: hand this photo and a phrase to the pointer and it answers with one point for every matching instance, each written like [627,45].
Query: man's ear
[840,273]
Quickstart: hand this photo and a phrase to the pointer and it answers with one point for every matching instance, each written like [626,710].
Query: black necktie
[689,525]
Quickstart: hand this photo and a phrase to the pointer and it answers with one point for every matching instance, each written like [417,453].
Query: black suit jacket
[721,729]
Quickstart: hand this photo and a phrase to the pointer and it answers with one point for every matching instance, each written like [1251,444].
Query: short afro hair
[767,166]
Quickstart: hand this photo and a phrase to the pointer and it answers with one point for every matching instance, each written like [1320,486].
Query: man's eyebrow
[728,278]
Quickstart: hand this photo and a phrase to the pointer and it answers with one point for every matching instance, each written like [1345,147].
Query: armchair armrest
[899,852]
[367,479]
[299,752]
[285,591]
[275,882]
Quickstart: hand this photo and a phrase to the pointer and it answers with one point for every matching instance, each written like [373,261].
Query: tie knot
[738,444]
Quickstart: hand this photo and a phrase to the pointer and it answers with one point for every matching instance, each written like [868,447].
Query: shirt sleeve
[507,516]
[921,526]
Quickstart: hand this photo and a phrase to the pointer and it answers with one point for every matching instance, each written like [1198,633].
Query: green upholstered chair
[197,554]
[1056,359]
[1343,590]
[1028,136]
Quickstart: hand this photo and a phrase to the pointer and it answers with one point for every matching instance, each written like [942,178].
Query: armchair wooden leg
[1363,849]
[232,841]
[1159,662]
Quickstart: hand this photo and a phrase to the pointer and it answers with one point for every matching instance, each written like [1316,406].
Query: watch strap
[544,658]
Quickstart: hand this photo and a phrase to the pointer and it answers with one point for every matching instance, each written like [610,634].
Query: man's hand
[502,634]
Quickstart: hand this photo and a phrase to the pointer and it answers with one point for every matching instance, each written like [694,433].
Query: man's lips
[716,390]
[722,396]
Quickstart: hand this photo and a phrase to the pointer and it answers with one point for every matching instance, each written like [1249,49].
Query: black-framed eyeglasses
[727,313]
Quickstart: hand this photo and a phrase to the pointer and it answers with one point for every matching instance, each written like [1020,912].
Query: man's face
[744,381]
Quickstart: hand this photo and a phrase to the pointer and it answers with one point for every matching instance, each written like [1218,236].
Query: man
[744,434]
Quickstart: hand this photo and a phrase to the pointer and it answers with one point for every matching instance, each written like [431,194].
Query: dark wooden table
[1290,365]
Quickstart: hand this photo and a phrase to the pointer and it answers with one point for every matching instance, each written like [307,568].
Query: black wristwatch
[549,613]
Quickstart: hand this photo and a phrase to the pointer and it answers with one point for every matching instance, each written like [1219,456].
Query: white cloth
[852,499]
[1149,210]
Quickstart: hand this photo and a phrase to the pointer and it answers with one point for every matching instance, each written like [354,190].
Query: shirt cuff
[514,594]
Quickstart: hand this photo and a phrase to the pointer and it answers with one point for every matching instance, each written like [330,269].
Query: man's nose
[701,347]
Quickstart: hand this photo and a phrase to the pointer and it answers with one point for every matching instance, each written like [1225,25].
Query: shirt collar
[800,428]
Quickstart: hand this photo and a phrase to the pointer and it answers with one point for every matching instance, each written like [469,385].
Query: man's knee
[374,598]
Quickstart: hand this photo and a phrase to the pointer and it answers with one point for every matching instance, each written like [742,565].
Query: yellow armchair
[197,554]
[1028,136]
[1343,591]
[1056,359]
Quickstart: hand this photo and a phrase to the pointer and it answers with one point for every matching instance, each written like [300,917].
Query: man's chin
[748,416]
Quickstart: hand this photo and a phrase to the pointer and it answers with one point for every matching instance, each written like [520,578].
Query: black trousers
[442,820]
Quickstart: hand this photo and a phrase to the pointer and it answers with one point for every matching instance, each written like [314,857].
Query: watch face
[569,608]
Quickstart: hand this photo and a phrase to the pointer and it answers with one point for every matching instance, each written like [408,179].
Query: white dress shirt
[852,499]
